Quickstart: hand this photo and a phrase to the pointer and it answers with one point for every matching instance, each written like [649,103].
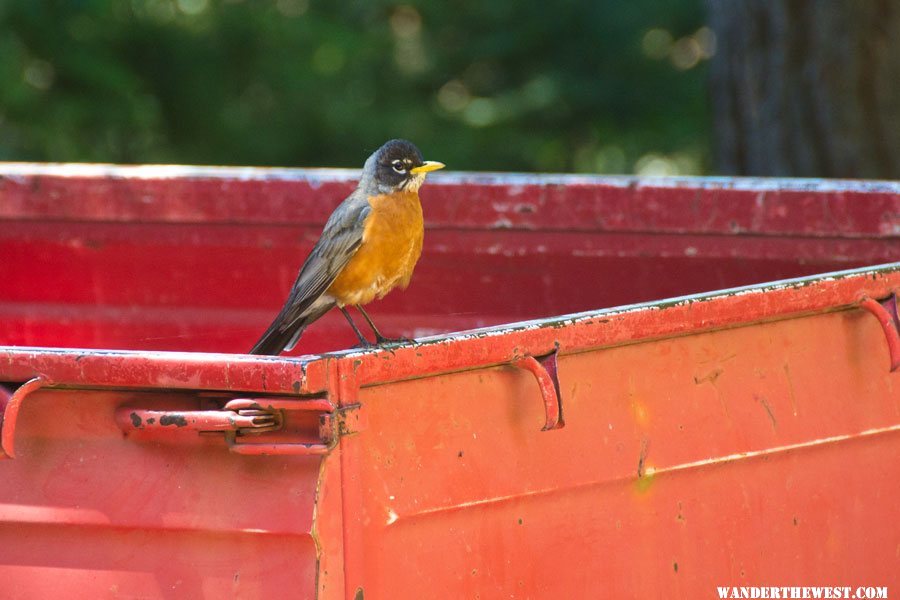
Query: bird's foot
[365,344]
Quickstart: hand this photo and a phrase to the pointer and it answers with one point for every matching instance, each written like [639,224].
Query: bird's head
[396,166]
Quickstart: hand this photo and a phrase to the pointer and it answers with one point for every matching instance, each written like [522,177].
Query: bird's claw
[386,341]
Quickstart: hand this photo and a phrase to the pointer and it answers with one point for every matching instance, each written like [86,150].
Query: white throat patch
[414,183]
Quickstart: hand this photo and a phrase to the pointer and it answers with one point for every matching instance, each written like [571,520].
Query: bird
[369,246]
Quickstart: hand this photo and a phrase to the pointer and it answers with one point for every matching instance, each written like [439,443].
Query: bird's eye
[399,166]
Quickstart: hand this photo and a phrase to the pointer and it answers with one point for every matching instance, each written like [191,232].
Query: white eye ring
[399,166]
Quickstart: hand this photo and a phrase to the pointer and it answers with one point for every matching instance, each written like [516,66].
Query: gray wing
[339,241]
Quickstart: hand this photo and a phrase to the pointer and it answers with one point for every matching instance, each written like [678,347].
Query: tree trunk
[806,88]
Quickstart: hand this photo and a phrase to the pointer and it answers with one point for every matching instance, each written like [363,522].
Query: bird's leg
[380,339]
[363,342]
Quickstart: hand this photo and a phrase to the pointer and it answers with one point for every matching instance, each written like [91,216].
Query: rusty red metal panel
[722,438]
[733,457]
[153,194]
[699,409]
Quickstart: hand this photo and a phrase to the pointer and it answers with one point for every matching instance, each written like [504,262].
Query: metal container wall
[743,437]
[200,259]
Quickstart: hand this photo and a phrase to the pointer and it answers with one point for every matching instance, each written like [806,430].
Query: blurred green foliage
[585,86]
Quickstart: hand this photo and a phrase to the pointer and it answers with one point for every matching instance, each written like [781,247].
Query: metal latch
[242,419]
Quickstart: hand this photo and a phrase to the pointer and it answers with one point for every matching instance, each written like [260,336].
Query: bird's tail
[274,341]
[281,336]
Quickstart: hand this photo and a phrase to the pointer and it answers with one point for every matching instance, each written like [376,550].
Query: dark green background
[481,85]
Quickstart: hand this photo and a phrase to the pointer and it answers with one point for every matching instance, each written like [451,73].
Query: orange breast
[391,246]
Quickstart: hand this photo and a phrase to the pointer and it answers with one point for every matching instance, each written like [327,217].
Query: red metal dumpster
[660,448]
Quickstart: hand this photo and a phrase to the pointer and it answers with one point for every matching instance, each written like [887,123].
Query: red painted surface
[746,437]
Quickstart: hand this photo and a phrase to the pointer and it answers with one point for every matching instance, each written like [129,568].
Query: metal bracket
[886,313]
[544,369]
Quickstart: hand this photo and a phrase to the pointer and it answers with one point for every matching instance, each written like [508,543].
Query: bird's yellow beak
[427,167]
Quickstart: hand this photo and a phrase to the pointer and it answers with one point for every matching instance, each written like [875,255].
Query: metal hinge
[242,419]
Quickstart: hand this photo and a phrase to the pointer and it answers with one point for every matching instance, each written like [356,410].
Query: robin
[369,246]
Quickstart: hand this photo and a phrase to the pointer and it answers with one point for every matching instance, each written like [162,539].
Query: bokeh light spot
[39,74]
[292,8]
[454,96]
[192,7]
[480,112]
[656,43]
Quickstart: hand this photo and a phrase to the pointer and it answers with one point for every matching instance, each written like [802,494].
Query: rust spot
[645,445]
[151,421]
[359,594]
[460,454]
[296,386]
[135,419]
[173,419]
[768,410]
[675,566]
[710,377]
[787,373]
